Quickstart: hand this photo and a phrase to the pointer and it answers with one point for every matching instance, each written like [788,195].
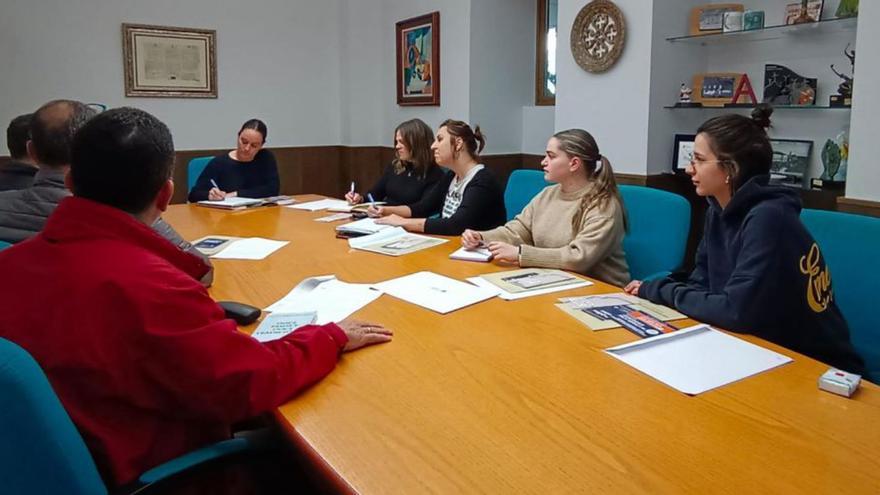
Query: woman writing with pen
[248,171]
[412,173]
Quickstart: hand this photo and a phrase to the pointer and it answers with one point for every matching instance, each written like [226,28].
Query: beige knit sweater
[543,229]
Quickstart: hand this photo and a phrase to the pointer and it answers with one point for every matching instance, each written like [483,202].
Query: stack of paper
[322,204]
[697,359]
[358,207]
[252,248]
[231,203]
[331,299]
[394,242]
[527,282]
[435,292]
[479,254]
[363,226]
[277,325]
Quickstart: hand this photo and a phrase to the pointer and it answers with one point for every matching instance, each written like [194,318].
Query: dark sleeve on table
[203,184]
[432,202]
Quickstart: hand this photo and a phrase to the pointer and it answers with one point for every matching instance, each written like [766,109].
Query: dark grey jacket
[16,175]
[23,212]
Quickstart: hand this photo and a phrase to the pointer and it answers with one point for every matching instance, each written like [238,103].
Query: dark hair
[417,136]
[122,158]
[17,135]
[257,125]
[53,127]
[580,143]
[741,144]
[474,140]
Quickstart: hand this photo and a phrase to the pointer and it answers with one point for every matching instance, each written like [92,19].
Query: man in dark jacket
[19,172]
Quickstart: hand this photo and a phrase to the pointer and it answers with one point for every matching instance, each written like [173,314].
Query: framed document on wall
[169,62]
[418,60]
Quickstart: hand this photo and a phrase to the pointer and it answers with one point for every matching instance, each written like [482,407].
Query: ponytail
[579,143]
[474,140]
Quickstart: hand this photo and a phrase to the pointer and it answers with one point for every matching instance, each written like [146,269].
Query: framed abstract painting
[418,60]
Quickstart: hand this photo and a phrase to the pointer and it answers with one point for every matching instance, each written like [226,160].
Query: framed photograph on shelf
[803,12]
[682,152]
[709,19]
[715,89]
[169,62]
[418,60]
[791,157]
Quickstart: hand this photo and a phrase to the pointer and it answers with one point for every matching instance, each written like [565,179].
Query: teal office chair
[194,169]
[42,451]
[849,246]
[659,222]
[4,245]
[522,186]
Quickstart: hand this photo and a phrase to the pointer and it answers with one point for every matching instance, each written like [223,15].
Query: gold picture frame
[169,62]
[716,89]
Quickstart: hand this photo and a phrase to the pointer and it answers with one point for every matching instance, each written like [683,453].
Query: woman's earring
[727,180]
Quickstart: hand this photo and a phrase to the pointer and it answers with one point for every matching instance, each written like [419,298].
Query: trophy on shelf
[684,97]
[835,155]
[845,89]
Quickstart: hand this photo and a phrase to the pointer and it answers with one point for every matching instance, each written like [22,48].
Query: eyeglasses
[694,161]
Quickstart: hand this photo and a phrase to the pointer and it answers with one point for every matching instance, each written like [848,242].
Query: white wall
[863,181]
[613,106]
[502,70]
[538,126]
[274,62]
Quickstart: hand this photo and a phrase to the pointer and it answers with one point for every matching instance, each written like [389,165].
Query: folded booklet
[394,242]
[362,226]
[605,311]
[239,203]
[530,279]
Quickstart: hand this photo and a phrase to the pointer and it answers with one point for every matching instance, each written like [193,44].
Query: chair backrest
[522,186]
[194,170]
[4,245]
[659,222]
[41,450]
[849,246]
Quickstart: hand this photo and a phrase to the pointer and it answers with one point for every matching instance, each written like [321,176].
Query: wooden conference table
[518,397]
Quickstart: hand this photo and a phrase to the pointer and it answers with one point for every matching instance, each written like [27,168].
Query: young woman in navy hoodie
[758,270]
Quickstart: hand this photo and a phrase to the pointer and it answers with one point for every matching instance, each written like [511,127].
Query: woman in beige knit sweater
[577,224]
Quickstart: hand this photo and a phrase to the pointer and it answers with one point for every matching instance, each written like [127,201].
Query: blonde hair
[580,143]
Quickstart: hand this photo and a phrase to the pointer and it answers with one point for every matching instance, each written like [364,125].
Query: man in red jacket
[142,358]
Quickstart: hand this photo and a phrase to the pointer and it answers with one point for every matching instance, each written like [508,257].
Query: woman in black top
[468,198]
[248,171]
[412,173]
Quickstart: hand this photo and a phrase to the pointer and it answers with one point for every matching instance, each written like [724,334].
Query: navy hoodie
[759,271]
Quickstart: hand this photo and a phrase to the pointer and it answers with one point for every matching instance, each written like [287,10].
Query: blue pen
[214,184]
[370,197]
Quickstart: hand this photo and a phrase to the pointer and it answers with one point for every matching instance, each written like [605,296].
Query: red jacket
[139,354]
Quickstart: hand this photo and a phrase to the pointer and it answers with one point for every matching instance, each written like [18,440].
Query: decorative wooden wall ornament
[597,36]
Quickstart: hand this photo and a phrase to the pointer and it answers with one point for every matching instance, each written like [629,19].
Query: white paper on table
[332,299]
[479,254]
[435,292]
[698,358]
[277,325]
[251,248]
[321,204]
[510,296]
[334,218]
[231,202]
